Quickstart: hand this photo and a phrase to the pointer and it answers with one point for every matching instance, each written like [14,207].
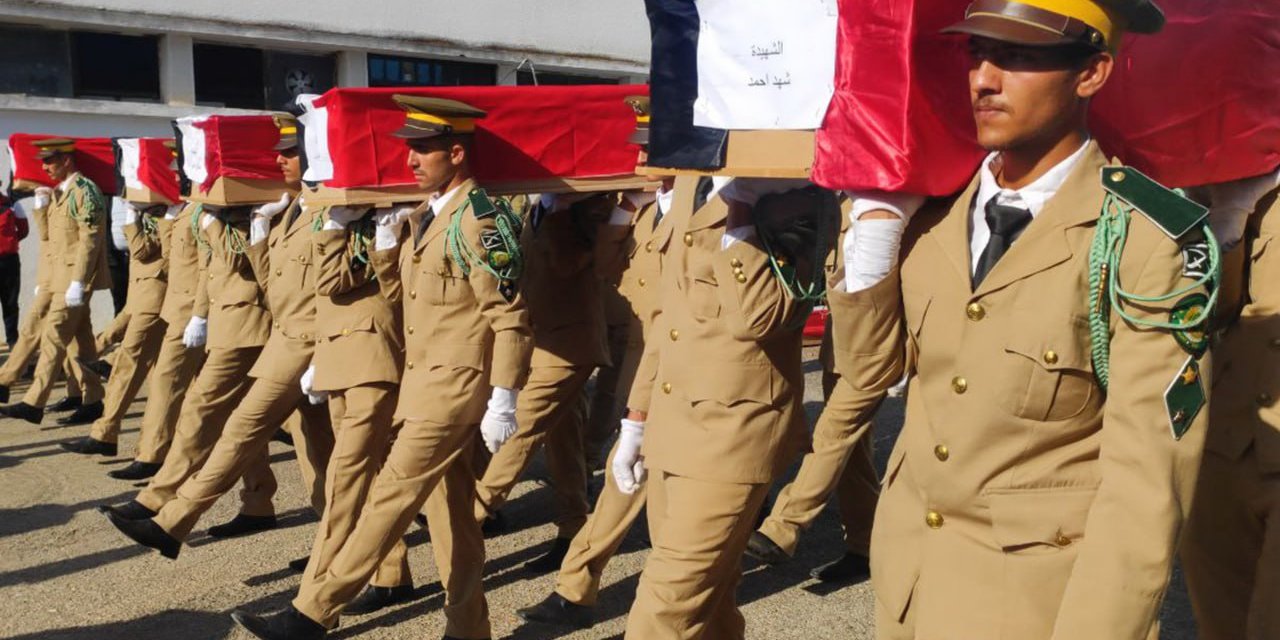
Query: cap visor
[1006,30]
[290,142]
[409,132]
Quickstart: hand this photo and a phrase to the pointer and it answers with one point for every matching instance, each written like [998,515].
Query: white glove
[386,235]
[131,214]
[43,198]
[499,422]
[172,212]
[36,291]
[340,217]
[639,199]
[273,209]
[206,219]
[748,191]
[196,333]
[75,294]
[308,383]
[1233,202]
[627,464]
[871,246]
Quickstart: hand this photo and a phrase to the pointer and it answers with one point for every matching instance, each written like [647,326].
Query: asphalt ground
[66,574]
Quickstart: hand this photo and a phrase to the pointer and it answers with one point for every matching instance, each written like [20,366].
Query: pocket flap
[470,356]
[1023,517]
[732,383]
[1053,352]
[357,324]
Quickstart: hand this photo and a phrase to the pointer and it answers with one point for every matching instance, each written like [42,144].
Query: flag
[95,158]
[146,164]
[674,140]
[529,133]
[213,147]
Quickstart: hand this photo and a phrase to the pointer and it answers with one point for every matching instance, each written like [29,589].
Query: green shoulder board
[95,199]
[481,205]
[1171,211]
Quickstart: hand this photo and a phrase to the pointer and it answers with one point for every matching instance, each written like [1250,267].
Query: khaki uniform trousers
[699,531]
[175,368]
[429,463]
[841,462]
[114,333]
[28,344]
[220,385]
[1231,550]
[242,444]
[597,541]
[132,362]
[606,403]
[66,329]
[362,419]
[545,412]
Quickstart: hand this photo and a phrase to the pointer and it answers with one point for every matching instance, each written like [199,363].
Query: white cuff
[735,235]
[333,225]
[503,400]
[870,252]
[904,205]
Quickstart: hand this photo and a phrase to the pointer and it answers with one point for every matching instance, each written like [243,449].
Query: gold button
[675,335]
[409,330]
[409,364]
[304,337]
[648,246]
[279,272]
[1117,176]
[211,276]
[735,263]
[277,326]
[737,271]
[934,520]
[417,259]
[666,387]
[1063,540]
[1051,357]
[1264,399]
[346,332]
[688,239]
[413,295]
[741,277]
[642,281]
[975,312]
[959,385]
[942,452]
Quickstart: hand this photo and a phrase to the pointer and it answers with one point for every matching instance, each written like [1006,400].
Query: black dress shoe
[100,368]
[300,564]
[243,525]
[148,534]
[85,414]
[64,405]
[131,510]
[378,598]
[90,447]
[135,471]
[550,561]
[762,548]
[23,411]
[555,610]
[283,437]
[4,393]
[851,567]
[286,624]
[494,524]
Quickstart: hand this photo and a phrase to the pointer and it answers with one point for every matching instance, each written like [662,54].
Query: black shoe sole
[223,534]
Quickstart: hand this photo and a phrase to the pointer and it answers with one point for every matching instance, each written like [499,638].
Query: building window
[115,67]
[227,76]
[36,62]
[391,71]
[290,75]
[525,78]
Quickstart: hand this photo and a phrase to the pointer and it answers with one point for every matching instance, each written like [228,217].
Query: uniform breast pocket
[704,301]
[441,288]
[1051,376]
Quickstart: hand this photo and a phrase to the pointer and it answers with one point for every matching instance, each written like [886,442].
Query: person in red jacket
[13,228]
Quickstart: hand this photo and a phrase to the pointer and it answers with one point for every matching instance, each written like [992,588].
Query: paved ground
[65,574]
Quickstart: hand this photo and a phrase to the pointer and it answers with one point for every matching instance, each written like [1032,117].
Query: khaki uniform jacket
[148,271]
[285,269]
[1244,410]
[181,254]
[627,259]
[1020,502]
[46,265]
[360,330]
[721,377]
[80,246]
[228,293]
[461,334]
[562,291]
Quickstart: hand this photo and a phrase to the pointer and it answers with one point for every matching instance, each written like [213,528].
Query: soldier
[78,224]
[1054,329]
[357,365]
[841,462]
[718,399]
[467,332]
[280,258]
[181,353]
[629,263]
[567,313]
[1232,548]
[143,333]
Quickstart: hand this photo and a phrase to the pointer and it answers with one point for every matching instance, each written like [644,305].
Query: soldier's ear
[1094,74]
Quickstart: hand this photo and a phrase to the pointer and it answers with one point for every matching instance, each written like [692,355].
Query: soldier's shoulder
[1168,211]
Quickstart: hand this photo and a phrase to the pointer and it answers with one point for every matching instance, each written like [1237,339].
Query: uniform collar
[1031,197]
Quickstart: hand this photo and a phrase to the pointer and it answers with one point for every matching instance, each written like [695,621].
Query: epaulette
[481,205]
[95,198]
[1169,210]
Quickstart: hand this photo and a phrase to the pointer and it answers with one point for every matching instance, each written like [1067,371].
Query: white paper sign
[194,163]
[765,64]
[315,127]
[130,162]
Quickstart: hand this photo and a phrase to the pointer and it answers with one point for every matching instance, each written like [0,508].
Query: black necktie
[1006,224]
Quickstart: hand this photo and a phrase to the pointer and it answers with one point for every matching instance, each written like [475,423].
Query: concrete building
[129,67]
